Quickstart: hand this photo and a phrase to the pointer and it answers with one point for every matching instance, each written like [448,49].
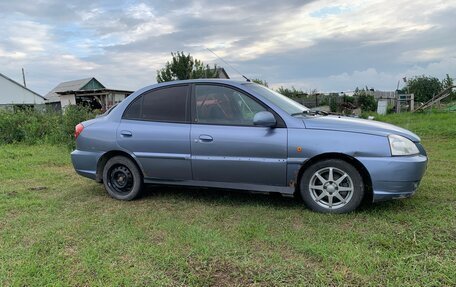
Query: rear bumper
[395,177]
[85,163]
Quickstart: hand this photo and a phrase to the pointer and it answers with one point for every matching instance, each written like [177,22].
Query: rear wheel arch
[341,156]
[110,154]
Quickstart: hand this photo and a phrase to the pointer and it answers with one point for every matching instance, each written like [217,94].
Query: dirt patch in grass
[217,272]
[37,188]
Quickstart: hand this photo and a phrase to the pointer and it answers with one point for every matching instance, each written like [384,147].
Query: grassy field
[59,229]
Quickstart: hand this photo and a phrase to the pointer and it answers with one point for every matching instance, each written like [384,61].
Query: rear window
[163,105]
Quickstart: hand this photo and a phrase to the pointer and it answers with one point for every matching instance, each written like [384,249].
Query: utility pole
[23,77]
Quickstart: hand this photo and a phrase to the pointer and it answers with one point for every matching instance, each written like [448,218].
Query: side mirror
[264,119]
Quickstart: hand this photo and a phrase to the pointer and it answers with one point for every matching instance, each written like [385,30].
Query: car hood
[348,124]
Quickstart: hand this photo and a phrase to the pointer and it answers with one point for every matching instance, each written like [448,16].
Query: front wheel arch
[341,156]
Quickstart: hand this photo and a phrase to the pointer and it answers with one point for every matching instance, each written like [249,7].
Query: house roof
[16,83]
[94,92]
[222,74]
[75,85]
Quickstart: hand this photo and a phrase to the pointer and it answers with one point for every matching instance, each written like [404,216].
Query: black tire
[122,178]
[341,193]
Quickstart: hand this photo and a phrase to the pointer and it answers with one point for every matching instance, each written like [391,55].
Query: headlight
[402,146]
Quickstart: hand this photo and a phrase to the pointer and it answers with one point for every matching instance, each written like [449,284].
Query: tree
[424,87]
[183,67]
[447,83]
[260,82]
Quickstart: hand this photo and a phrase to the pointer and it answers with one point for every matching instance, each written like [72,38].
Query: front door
[227,147]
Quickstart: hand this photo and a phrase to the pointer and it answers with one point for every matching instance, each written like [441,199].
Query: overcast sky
[325,45]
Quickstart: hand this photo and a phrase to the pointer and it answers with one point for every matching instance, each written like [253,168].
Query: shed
[88,91]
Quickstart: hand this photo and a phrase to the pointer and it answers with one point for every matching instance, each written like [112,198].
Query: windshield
[288,105]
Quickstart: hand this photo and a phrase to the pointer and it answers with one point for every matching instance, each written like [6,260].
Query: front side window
[224,106]
[163,105]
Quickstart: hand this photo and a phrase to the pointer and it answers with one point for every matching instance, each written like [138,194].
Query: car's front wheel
[122,178]
[332,186]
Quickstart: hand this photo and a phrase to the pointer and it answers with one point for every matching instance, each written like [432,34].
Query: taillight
[78,130]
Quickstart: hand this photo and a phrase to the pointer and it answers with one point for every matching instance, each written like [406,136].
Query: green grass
[59,229]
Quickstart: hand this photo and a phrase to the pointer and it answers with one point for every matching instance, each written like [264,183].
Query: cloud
[331,45]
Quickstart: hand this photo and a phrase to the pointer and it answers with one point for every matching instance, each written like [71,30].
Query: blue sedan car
[241,135]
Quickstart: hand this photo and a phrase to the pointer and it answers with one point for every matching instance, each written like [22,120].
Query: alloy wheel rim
[331,188]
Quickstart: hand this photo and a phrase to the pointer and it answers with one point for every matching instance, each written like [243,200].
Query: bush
[348,99]
[363,100]
[72,116]
[32,127]
[333,106]
[366,102]
[391,109]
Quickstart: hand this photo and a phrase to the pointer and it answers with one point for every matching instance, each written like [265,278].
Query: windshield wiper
[310,112]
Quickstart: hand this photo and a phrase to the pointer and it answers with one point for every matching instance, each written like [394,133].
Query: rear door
[227,147]
[155,128]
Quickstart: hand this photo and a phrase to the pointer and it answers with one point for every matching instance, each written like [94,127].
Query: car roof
[221,81]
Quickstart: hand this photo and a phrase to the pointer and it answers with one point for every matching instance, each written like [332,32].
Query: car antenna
[247,79]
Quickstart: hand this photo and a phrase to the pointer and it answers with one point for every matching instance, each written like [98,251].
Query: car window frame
[141,98]
[280,122]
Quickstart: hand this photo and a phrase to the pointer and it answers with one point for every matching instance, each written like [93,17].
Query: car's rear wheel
[122,178]
[332,186]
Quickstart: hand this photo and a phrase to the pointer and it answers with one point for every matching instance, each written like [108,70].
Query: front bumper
[395,177]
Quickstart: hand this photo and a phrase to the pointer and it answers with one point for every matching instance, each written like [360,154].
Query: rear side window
[163,105]
[133,111]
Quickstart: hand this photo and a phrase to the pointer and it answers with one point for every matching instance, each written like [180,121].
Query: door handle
[205,138]
[126,133]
